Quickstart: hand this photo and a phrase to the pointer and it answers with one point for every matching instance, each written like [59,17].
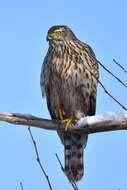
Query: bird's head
[60,33]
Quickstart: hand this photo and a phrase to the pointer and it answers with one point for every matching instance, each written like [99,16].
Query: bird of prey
[69,79]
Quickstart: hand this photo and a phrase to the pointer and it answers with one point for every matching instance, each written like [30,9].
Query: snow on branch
[100,123]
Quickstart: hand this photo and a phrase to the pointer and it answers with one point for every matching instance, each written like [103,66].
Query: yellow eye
[57,34]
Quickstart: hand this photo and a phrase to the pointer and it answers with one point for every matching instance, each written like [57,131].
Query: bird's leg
[68,121]
[61,113]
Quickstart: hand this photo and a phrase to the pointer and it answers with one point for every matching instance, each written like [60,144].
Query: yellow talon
[68,122]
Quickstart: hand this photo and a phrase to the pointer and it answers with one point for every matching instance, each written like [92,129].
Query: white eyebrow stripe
[58,30]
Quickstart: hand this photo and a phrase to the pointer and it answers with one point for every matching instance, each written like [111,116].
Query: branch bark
[22,119]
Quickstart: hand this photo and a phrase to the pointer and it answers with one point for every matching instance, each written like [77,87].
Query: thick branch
[102,126]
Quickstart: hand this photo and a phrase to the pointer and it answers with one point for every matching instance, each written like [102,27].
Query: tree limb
[107,125]
[111,73]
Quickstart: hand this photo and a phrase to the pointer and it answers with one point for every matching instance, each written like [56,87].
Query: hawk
[69,80]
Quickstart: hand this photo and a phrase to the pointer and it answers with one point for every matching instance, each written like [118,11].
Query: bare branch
[107,125]
[22,119]
[38,159]
[107,92]
[21,185]
[74,185]
[62,168]
[120,65]
[111,73]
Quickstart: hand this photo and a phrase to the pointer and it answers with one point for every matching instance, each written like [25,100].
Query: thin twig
[21,185]
[62,168]
[38,158]
[74,185]
[107,92]
[111,73]
[120,65]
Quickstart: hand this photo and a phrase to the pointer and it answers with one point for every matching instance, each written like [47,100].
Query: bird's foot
[68,122]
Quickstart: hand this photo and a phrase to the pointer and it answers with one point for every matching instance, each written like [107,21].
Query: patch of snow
[103,117]
[7,113]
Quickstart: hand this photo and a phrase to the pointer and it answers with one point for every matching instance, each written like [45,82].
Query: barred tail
[74,145]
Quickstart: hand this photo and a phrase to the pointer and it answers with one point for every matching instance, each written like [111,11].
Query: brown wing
[88,74]
[95,82]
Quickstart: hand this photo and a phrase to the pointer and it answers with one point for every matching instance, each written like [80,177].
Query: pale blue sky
[23,29]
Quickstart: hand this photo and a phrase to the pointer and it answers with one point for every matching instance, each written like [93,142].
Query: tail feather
[74,145]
